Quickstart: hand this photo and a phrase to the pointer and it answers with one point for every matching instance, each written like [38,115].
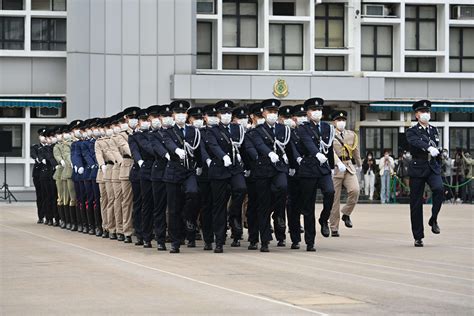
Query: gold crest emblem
[280,88]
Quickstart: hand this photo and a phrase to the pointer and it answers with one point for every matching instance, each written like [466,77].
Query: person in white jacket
[386,166]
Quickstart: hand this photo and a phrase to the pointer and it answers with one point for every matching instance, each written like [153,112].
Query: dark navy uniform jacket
[297,149]
[135,171]
[46,152]
[204,177]
[176,171]
[88,155]
[310,136]
[420,139]
[157,141]
[263,140]
[77,160]
[34,154]
[142,149]
[219,141]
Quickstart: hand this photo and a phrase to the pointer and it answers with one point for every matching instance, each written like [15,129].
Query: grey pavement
[372,269]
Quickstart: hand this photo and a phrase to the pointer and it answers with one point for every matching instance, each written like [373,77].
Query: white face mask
[124,127]
[198,123]
[144,125]
[54,140]
[167,121]
[226,118]
[156,123]
[425,117]
[77,133]
[316,115]
[109,132]
[212,120]
[260,121]
[89,133]
[84,134]
[289,122]
[60,137]
[132,123]
[42,139]
[102,132]
[96,133]
[244,122]
[117,129]
[271,118]
[67,136]
[301,120]
[180,118]
[341,125]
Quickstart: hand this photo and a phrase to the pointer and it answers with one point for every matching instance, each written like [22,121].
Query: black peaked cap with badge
[196,112]
[271,104]
[299,110]
[335,115]
[421,105]
[240,112]
[224,106]
[314,104]
[180,106]
[285,111]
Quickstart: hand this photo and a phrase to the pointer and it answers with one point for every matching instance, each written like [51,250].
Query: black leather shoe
[434,226]
[418,243]
[252,246]
[91,231]
[347,221]
[120,237]
[55,223]
[207,246]
[198,235]
[147,244]
[219,249]
[85,230]
[235,243]
[113,236]
[174,250]
[62,225]
[105,234]
[335,233]
[310,248]
[295,245]
[128,240]
[281,243]
[50,222]
[40,221]
[264,248]
[324,228]
[73,227]
[99,232]
[79,228]
[68,226]
[191,244]
[139,242]
[161,247]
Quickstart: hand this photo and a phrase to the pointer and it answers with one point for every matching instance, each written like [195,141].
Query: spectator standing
[369,169]
[447,173]
[386,166]
[468,163]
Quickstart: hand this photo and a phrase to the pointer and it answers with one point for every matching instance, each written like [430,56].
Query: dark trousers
[309,187]
[48,199]
[159,210]
[97,213]
[83,203]
[79,202]
[293,209]
[147,209]
[205,205]
[89,189]
[271,196]
[39,197]
[182,201]
[252,214]
[137,209]
[417,186]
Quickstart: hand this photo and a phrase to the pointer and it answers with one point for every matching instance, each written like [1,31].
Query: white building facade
[371,58]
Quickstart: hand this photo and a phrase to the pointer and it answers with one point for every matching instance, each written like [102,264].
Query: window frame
[2,7]
[417,21]
[418,63]
[3,41]
[210,42]
[375,55]
[283,46]
[326,18]
[238,17]
[215,8]
[49,41]
[461,56]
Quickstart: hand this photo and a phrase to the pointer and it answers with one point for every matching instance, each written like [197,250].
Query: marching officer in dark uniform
[226,175]
[48,186]
[37,173]
[76,159]
[315,170]
[424,168]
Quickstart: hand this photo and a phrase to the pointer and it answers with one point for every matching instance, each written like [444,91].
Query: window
[12,112]
[12,33]
[462,138]
[414,64]
[204,45]
[240,23]
[48,34]
[329,63]
[11,4]
[241,62]
[17,139]
[329,26]
[48,5]
[286,47]
[377,48]
[206,6]
[461,49]
[376,139]
[420,27]
[283,8]
[461,117]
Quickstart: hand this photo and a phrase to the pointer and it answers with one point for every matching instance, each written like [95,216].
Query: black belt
[127,156]
[109,162]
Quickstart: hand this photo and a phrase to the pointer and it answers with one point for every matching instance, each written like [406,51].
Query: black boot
[97,217]
[85,224]
[62,219]
[79,218]
[98,232]
[72,215]
[67,216]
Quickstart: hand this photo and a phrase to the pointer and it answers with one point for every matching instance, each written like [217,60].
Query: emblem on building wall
[280,88]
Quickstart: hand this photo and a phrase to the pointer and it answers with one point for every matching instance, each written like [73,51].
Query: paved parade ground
[372,269]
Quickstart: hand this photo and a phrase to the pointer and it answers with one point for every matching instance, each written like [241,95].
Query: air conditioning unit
[379,10]
[463,12]
[48,112]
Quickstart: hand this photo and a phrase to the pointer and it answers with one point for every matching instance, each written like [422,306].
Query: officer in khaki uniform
[57,141]
[69,194]
[346,151]
[100,146]
[115,139]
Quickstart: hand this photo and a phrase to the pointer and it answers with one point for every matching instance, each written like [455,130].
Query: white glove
[140,163]
[104,169]
[80,170]
[63,163]
[71,165]
[75,169]
[37,160]
[292,172]
[341,166]
[332,172]
[298,160]
[208,162]
[321,157]
[57,167]
[167,156]
[246,173]
[227,161]
[285,158]
[198,171]
[239,159]
[180,152]
[433,151]
[43,161]
[273,157]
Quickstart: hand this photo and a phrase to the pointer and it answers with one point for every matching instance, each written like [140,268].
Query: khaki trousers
[103,204]
[117,208]
[127,206]
[351,183]
[59,188]
[109,188]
